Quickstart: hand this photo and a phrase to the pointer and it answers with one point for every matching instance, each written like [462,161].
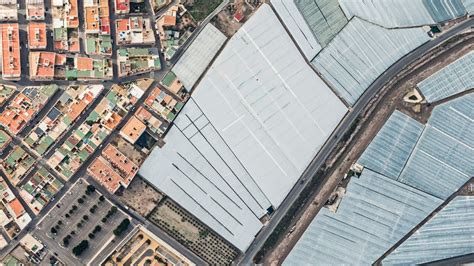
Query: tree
[122,227]
[74,207]
[85,217]
[101,198]
[91,236]
[80,201]
[66,241]
[97,229]
[54,231]
[104,220]
[203,233]
[80,248]
[90,188]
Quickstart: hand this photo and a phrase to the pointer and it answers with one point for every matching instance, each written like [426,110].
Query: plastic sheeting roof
[437,158]
[450,80]
[389,150]
[201,173]
[361,52]
[448,234]
[403,13]
[325,18]
[375,213]
[294,21]
[443,159]
[263,107]
[199,54]
[469,5]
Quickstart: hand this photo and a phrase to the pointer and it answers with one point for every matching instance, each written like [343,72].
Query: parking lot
[82,214]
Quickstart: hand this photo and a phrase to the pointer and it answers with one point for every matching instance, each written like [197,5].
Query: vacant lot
[200,9]
[141,197]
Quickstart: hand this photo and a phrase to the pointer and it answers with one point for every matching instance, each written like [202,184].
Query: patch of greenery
[122,227]
[202,8]
[80,248]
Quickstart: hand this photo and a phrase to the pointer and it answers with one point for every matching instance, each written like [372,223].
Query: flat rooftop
[37,35]
[259,99]
[11,64]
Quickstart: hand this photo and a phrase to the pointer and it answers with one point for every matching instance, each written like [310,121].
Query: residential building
[37,35]
[11,64]
[174,27]
[35,10]
[25,106]
[42,65]
[97,27]
[5,140]
[8,10]
[6,91]
[171,82]
[133,130]
[122,6]
[152,123]
[13,216]
[113,169]
[17,164]
[163,104]
[134,30]
[97,16]
[133,61]
[65,25]
[40,189]
[98,44]
[84,68]
[72,103]
[94,130]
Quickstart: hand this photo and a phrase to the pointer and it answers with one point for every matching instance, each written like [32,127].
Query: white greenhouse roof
[361,52]
[403,13]
[294,21]
[448,234]
[443,159]
[469,5]
[325,18]
[373,215]
[197,169]
[262,112]
[437,158]
[389,150]
[192,64]
[450,80]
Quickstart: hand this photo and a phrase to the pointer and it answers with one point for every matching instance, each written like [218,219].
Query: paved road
[156,75]
[337,135]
